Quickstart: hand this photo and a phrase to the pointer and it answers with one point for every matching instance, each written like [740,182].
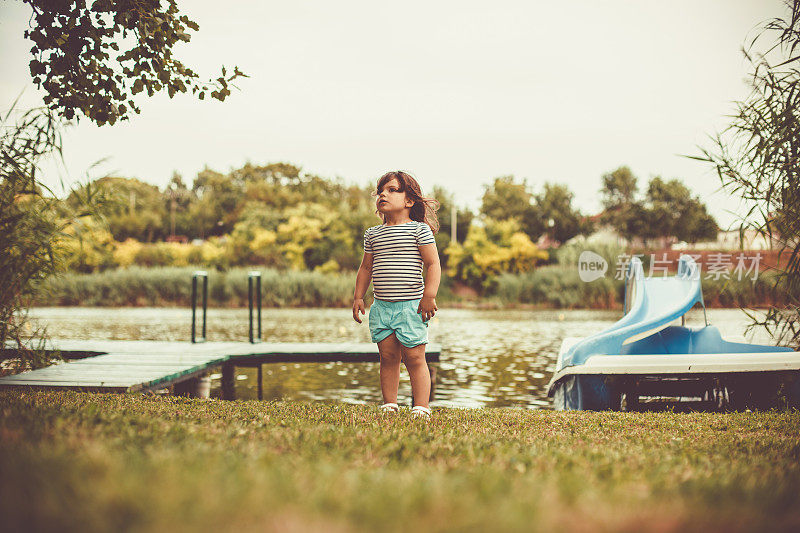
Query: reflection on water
[489,358]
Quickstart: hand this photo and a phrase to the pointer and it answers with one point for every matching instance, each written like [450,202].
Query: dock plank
[138,365]
[110,372]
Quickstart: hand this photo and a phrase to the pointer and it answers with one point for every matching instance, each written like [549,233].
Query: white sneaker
[422,413]
[389,408]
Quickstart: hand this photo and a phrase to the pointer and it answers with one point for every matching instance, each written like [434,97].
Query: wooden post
[631,395]
[250,307]
[194,308]
[202,387]
[196,387]
[260,382]
[199,274]
[254,298]
[228,381]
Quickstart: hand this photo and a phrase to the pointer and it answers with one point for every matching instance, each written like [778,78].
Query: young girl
[394,256]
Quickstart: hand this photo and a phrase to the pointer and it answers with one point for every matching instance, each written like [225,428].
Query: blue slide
[635,347]
[652,302]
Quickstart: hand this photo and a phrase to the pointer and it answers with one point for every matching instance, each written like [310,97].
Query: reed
[560,287]
[171,286]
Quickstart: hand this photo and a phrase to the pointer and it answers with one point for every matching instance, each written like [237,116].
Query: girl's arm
[362,283]
[433,276]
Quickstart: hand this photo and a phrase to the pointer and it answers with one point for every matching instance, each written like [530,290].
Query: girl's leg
[418,371]
[389,349]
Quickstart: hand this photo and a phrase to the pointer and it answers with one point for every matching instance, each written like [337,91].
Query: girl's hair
[423,210]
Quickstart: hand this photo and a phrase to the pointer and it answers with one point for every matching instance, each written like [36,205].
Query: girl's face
[391,199]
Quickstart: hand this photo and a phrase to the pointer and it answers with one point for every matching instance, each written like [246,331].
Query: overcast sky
[455,92]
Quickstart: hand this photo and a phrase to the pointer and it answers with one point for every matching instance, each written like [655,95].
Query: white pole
[453,218]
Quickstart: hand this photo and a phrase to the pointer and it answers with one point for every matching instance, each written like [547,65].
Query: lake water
[490,358]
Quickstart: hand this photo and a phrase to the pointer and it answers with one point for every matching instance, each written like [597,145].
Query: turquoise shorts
[400,318]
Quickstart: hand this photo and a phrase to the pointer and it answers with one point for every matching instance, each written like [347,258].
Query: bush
[489,251]
[559,287]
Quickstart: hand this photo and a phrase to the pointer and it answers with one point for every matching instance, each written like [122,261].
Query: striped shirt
[397,263]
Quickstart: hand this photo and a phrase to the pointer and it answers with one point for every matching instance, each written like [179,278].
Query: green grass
[93,462]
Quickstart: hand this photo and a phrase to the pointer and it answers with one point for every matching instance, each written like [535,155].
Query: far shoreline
[476,306]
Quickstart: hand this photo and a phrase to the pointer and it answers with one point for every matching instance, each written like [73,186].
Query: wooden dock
[140,366]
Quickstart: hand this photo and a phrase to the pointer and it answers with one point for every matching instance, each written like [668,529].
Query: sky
[457,93]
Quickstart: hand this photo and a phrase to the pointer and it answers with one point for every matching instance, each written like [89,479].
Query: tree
[638,223]
[674,212]
[618,194]
[492,249]
[668,209]
[619,187]
[92,58]
[132,209]
[698,225]
[564,222]
[72,61]
[506,199]
[178,199]
[219,202]
[89,246]
[757,157]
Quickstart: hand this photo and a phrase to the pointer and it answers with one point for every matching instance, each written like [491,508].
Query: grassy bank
[552,286]
[81,462]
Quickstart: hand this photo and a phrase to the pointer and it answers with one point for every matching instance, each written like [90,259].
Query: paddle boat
[650,354]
